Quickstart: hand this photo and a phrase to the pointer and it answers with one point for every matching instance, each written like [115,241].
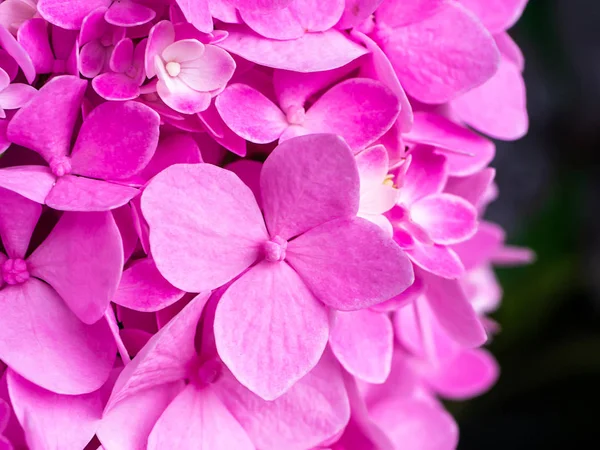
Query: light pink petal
[116,87]
[128,425]
[356,11]
[313,52]
[443,56]
[350,264]
[454,312]
[260,5]
[280,24]
[197,419]
[498,107]
[16,95]
[82,259]
[18,218]
[270,330]
[363,342]
[13,13]
[33,37]
[426,175]
[400,13]
[50,418]
[19,54]
[161,36]
[184,50]
[213,208]
[100,150]
[401,300]
[496,15]
[166,357]
[128,14]
[42,340]
[210,71]
[481,248]
[143,288]
[71,193]
[121,58]
[307,181]
[32,182]
[376,196]
[511,256]
[197,12]
[472,188]
[180,97]
[471,373]
[67,13]
[313,410]
[250,114]
[437,259]
[510,50]
[38,127]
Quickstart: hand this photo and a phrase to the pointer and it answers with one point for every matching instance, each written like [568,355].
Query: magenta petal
[100,150]
[363,342]
[313,52]
[128,14]
[121,58]
[47,416]
[198,419]
[313,410]
[437,259]
[212,207]
[32,182]
[42,340]
[66,13]
[166,357]
[143,288]
[360,110]
[350,264]
[18,218]
[161,36]
[92,59]
[82,259]
[116,87]
[250,114]
[37,125]
[33,36]
[72,193]
[270,330]
[496,15]
[472,188]
[426,175]
[400,13]
[197,12]
[307,181]
[16,95]
[356,11]
[16,50]
[281,24]
[482,247]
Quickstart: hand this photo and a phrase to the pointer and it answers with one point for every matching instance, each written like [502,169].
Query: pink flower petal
[72,193]
[93,26]
[180,97]
[472,188]
[38,127]
[363,342]
[7,62]
[356,11]
[360,110]
[400,13]
[13,13]
[211,71]
[496,15]
[92,59]
[42,340]
[260,5]
[18,218]
[100,150]
[481,248]
[443,56]
[32,182]
[33,37]
[126,13]
[161,36]
[16,95]
[198,419]
[270,330]
[426,175]
[197,12]
[510,50]
[376,197]
[20,55]
[82,259]
[47,416]
[437,259]
[116,87]
[218,212]
[67,13]
[280,24]
[313,52]
[121,58]
[307,181]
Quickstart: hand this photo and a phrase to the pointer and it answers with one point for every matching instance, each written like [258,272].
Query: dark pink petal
[16,95]
[33,36]
[92,59]
[313,52]
[4,79]
[174,149]
[220,132]
[68,13]
[249,173]
[143,288]
[7,62]
[212,207]
[498,107]
[350,264]
[45,416]
[161,36]
[426,175]
[121,58]
[126,13]
[197,12]
[363,342]
[128,424]
[93,26]
[39,127]
[356,11]
[82,259]
[250,114]
[18,218]
[437,259]
[443,56]
[270,330]
[196,418]
[32,182]
[42,340]
[100,150]
[124,218]
[400,13]
[496,15]
[360,110]
[116,87]
[19,54]
[313,410]
[281,24]
[260,5]
[307,181]
[166,357]
[72,193]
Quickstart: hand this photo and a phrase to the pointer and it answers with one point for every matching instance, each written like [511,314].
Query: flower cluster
[249,224]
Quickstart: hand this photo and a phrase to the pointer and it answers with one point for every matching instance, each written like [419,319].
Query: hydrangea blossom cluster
[249,224]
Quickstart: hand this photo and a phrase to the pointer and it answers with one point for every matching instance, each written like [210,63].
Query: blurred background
[549,347]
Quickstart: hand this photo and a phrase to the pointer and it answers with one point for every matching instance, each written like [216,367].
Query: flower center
[173,68]
[14,271]
[60,165]
[275,249]
[295,115]
[209,372]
